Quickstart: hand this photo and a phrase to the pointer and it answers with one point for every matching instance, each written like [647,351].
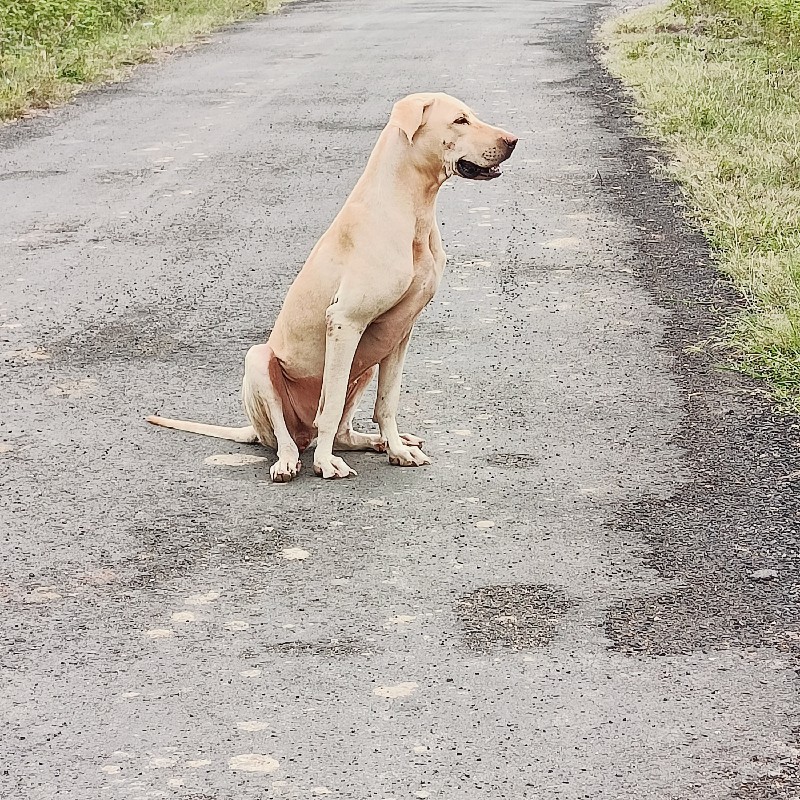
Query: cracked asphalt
[565,604]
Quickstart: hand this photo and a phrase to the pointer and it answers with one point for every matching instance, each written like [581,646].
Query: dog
[352,307]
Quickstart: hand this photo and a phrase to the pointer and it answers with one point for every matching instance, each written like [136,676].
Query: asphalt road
[561,606]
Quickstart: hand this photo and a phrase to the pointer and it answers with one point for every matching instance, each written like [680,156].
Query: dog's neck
[401,176]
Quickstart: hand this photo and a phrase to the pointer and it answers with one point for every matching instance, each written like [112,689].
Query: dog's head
[444,132]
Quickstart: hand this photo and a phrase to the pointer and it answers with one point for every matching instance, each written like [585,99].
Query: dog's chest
[424,283]
[386,332]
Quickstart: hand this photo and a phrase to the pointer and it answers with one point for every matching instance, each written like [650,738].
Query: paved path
[559,607]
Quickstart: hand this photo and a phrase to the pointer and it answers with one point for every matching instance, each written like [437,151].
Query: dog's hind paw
[411,441]
[408,457]
[332,467]
[354,440]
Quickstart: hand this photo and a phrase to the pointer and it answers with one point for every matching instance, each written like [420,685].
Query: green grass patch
[51,49]
[719,83]
[768,19]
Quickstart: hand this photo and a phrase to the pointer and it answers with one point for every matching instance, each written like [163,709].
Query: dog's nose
[511,141]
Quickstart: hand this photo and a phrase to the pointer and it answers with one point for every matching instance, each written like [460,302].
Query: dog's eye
[461,121]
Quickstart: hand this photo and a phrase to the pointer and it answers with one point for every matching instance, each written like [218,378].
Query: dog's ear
[409,113]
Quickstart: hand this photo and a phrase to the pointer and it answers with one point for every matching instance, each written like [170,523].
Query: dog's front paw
[332,467]
[408,457]
[284,470]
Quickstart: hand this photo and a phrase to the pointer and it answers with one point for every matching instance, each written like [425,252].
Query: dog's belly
[300,399]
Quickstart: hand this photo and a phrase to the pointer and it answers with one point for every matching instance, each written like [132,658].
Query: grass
[719,83]
[52,49]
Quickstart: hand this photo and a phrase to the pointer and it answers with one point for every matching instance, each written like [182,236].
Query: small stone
[201,599]
[250,673]
[764,575]
[233,460]
[253,762]
[252,725]
[42,594]
[160,633]
[405,689]
[402,619]
[160,762]
[295,554]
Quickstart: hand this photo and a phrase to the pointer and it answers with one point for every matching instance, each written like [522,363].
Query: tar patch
[334,648]
[512,460]
[781,782]
[518,616]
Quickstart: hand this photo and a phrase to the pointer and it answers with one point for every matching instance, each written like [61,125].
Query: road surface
[568,603]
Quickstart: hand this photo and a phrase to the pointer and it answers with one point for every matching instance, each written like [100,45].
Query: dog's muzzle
[466,169]
[476,172]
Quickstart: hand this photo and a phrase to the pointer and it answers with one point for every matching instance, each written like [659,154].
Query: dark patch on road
[126,176]
[181,544]
[740,514]
[330,648]
[437,8]
[515,617]
[739,511]
[195,796]
[348,126]
[296,4]
[720,612]
[772,787]
[49,236]
[780,782]
[21,174]
[139,335]
[45,241]
[167,549]
[512,460]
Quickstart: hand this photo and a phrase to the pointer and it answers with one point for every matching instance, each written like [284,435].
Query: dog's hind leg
[264,406]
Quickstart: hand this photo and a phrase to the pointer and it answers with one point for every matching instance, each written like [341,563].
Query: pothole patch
[512,460]
[518,616]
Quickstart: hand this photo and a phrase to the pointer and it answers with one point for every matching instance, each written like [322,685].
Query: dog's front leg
[402,450]
[341,341]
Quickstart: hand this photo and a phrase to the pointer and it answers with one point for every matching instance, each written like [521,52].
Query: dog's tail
[246,435]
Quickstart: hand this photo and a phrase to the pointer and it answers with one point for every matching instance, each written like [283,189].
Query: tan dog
[351,309]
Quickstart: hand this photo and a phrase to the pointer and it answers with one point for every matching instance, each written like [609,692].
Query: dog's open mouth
[466,169]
